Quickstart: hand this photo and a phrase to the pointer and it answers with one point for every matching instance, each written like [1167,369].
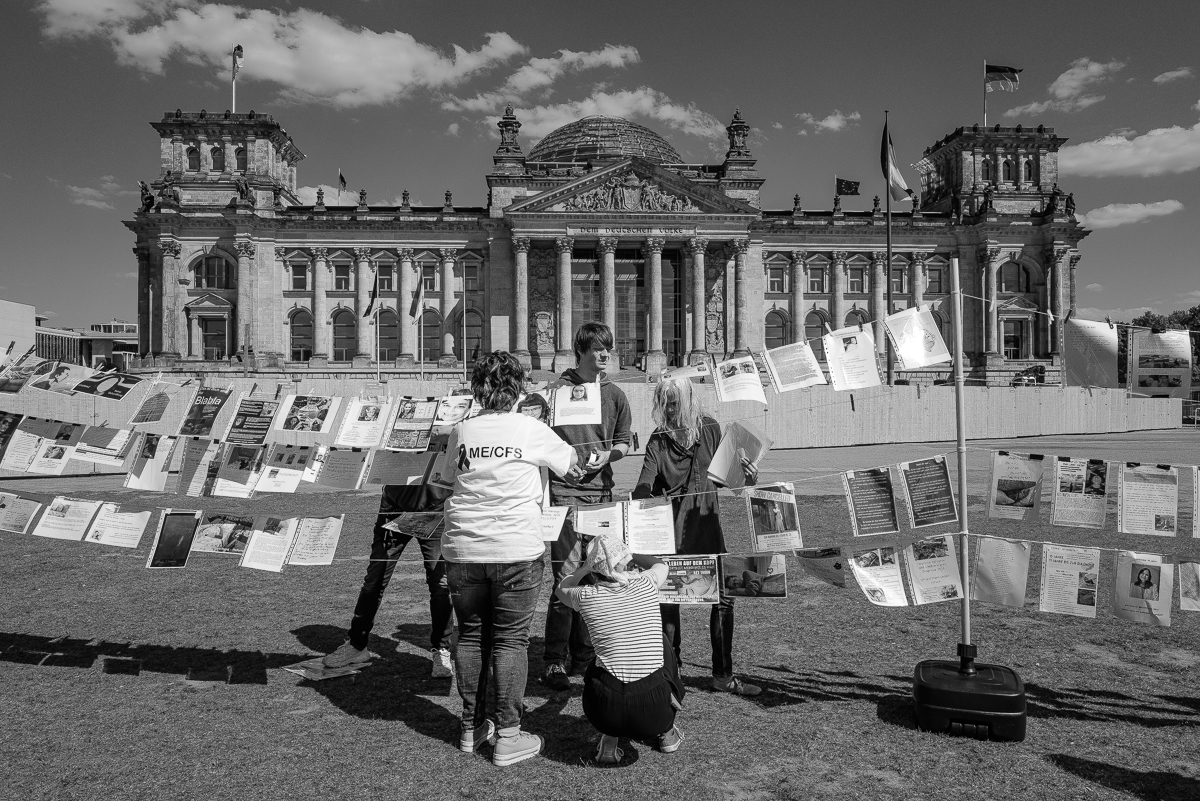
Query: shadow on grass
[1149,785]
[1109,706]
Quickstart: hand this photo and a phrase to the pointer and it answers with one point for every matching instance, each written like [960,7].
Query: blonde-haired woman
[676,466]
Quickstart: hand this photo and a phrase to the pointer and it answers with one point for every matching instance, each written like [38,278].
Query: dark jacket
[671,471]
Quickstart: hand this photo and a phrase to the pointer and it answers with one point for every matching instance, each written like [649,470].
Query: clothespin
[252,388]
[1109,321]
[828,330]
[852,402]
[860,326]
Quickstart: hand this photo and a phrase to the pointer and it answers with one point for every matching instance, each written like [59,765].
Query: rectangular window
[383,279]
[934,282]
[816,279]
[299,277]
[775,280]
[471,277]
[1014,339]
[341,277]
[429,277]
[857,283]
[899,284]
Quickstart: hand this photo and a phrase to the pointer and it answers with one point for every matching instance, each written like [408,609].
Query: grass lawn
[121,682]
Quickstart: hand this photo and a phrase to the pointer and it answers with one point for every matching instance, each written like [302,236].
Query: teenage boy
[598,446]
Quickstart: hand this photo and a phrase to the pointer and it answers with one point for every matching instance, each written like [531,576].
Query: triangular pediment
[209,301]
[1018,304]
[631,186]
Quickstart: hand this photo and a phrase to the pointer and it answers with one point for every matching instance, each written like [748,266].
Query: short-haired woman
[631,688]
[493,549]
[1144,586]
[676,466]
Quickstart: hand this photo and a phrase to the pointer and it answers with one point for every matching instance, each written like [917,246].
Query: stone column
[837,289]
[520,246]
[879,310]
[699,354]
[245,335]
[1058,262]
[320,310]
[608,283]
[195,346]
[564,356]
[656,359]
[917,273]
[364,276]
[143,272]
[741,330]
[798,278]
[1074,261]
[230,159]
[449,255]
[166,291]
[408,324]
[991,313]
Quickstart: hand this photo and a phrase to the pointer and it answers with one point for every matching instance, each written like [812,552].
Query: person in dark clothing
[676,466]
[386,547]
[598,445]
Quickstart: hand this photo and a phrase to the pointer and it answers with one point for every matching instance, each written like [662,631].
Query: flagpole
[887,270]
[464,326]
[985,93]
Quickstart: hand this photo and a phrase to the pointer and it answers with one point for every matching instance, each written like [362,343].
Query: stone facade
[679,259]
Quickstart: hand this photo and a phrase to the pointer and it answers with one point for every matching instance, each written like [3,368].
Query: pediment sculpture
[628,193]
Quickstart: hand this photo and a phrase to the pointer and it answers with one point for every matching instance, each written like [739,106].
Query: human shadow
[1097,705]
[1149,785]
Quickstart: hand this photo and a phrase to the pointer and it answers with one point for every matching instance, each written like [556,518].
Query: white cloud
[1156,152]
[1094,287]
[452,129]
[1117,315]
[644,103]
[777,126]
[308,195]
[131,274]
[86,196]
[313,57]
[834,122]
[1190,295]
[1115,214]
[1068,91]
[1174,75]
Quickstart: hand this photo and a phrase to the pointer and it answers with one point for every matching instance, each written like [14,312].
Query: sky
[405,95]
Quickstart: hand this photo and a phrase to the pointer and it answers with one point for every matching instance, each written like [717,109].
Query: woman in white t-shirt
[632,688]
[493,548]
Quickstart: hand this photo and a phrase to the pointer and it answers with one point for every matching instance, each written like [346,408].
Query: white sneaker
[443,665]
[346,656]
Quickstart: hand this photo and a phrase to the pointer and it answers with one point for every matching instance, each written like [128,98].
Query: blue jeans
[566,633]
[494,604]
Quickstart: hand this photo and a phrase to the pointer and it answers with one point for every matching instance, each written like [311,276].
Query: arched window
[776,330]
[814,328]
[344,341]
[1010,171]
[473,336]
[1028,170]
[193,157]
[1014,278]
[239,157]
[986,170]
[213,272]
[856,317]
[431,336]
[943,327]
[218,159]
[389,335]
[302,336]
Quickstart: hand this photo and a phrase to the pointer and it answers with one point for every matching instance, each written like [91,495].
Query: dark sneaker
[556,678]
[733,684]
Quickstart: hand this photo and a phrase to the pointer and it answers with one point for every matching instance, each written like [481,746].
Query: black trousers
[638,710]
[720,633]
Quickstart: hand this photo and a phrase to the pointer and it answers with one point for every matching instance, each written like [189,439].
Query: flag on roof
[897,188]
[237,60]
[341,182]
[844,187]
[1006,78]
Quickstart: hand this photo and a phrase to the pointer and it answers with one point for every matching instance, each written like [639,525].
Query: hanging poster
[928,492]
[51,458]
[737,379]
[1089,354]
[113,386]
[1160,365]
[363,423]
[198,467]
[760,576]
[62,379]
[251,421]
[1189,585]
[1016,485]
[173,538]
[410,425]
[239,470]
[878,576]
[872,501]
[271,542]
[1195,502]
[451,410]
[152,457]
[26,369]
[827,564]
[1080,487]
[20,452]
[850,354]
[313,414]
[1001,571]
[915,338]
[690,580]
[553,518]
[701,370]
[202,414]
[66,519]
[284,468]
[1070,580]
[774,524]
[316,540]
[156,401]
[343,468]
[104,446]
[1142,588]
[114,527]
[932,568]
[793,366]
[220,533]
[646,526]
[9,422]
[1147,499]
[64,433]
[16,513]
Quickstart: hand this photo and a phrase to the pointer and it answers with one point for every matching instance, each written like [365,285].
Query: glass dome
[603,138]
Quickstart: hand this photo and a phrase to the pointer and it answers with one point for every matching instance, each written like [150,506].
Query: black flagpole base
[967,699]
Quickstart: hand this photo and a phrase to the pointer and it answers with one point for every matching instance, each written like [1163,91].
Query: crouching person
[632,687]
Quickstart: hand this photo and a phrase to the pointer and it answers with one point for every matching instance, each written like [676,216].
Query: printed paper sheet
[933,573]
[737,379]
[1142,588]
[1080,490]
[759,576]
[774,524]
[1189,585]
[850,354]
[312,414]
[16,513]
[915,338]
[1070,580]
[203,411]
[1016,485]
[66,519]
[270,544]
[1160,365]
[152,457]
[1147,499]
[114,527]
[827,564]
[1090,354]
[928,492]
[878,576]
[173,539]
[363,423]
[410,425]
[690,580]
[872,501]
[793,366]
[1001,571]
[316,540]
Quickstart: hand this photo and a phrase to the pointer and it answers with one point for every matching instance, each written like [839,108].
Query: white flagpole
[985,85]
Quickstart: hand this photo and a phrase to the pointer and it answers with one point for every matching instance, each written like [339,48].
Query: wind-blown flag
[341,182]
[1006,78]
[237,61]
[844,187]
[897,188]
[374,297]
[418,298]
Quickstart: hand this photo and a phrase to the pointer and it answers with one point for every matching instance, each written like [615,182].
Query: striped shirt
[624,623]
